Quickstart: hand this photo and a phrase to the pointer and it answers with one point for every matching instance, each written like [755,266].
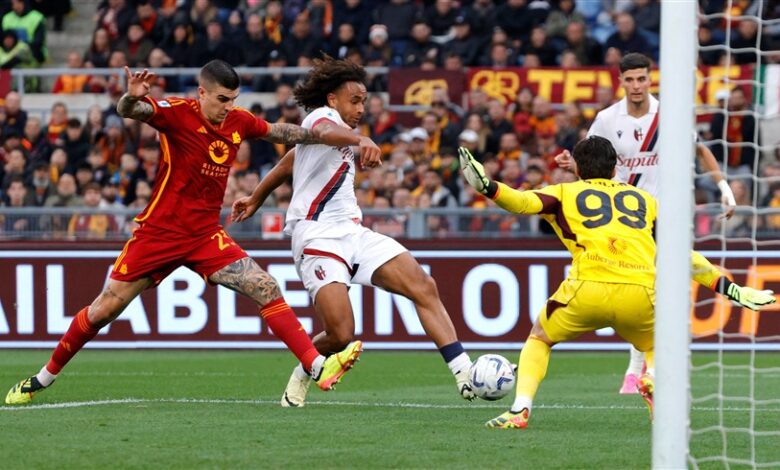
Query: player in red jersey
[199,139]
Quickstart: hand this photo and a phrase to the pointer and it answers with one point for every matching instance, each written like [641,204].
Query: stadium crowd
[106,161]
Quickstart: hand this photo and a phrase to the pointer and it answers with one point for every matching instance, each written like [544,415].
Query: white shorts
[345,252]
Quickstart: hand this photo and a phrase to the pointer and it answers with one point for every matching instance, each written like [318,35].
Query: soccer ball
[492,377]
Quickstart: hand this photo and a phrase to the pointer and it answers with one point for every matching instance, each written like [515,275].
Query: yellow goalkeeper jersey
[607,226]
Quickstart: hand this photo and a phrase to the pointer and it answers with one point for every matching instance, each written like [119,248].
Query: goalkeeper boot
[297,387]
[510,420]
[338,364]
[645,388]
[23,392]
[464,384]
[630,384]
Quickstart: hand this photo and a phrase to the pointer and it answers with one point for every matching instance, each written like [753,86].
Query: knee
[424,288]
[341,336]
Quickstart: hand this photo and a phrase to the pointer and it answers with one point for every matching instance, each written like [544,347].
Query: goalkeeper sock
[636,363]
[285,325]
[79,333]
[534,359]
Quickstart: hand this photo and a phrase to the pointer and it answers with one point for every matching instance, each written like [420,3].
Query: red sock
[79,333]
[285,325]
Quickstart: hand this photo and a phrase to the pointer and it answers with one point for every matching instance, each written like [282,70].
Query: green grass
[216,409]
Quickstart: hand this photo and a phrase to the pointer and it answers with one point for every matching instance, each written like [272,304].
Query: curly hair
[325,77]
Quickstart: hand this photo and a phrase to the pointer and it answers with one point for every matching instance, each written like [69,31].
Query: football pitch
[220,409]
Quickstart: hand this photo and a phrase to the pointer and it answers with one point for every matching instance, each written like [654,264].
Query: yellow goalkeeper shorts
[578,307]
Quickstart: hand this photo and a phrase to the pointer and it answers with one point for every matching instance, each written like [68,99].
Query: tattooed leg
[113,300]
[246,277]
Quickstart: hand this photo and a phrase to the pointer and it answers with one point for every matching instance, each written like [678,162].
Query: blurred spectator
[516,19]
[67,83]
[65,196]
[150,20]
[135,45]
[110,83]
[13,116]
[478,102]
[16,196]
[115,17]
[29,26]
[453,62]
[543,117]
[56,9]
[99,49]
[509,149]
[57,165]
[561,17]
[15,166]
[474,135]
[93,128]
[377,44]
[113,143]
[482,15]
[58,121]
[464,44]
[300,41]
[256,45]
[547,148]
[356,13]
[735,136]
[512,173]
[202,13]
[15,53]
[215,46]
[498,125]
[320,14]
[125,178]
[12,140]
[627,39]
[421,46]
[234,29]
[273,22]
[149,154]
[418,145]
[399,17]
[712,56]
[379,123]
[772,221]
[84,175]
[92,226]
[35,142]
[647,14]
[344,41]
[109,199]
[179,45]
[41,186]
[441,17]
[587,50]
[499,55]
[541,47]
[75,142]
[97,167]
[612,57]
[283,93]
[745,37]
[534,178]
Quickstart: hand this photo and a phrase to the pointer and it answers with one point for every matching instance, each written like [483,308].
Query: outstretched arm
[510,199]
[130,105]
[710,164]
[245,207]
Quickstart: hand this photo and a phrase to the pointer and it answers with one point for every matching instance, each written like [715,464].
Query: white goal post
[674,234]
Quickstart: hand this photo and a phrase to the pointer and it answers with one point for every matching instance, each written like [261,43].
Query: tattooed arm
[281,133]
[130,104]
[246,277]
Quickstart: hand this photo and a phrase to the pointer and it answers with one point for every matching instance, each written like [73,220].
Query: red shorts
[150,254]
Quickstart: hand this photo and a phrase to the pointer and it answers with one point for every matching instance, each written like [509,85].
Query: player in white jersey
[330,247]
[631,125]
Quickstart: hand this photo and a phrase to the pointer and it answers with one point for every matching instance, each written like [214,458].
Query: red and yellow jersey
[607,226]
[195,161]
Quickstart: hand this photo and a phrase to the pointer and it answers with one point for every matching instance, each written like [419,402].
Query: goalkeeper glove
[474,173]
[749,297]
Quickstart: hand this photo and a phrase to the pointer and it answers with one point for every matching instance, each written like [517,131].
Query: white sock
[45,377]
[316,367]
[300,372]
[520,403]
[636,363]
[461,362]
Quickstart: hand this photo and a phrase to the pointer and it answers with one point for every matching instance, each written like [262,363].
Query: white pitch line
[135,401]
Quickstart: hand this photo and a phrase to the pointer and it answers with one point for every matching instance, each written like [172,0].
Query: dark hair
[634,60]
[326,76]
[221,73]
[595,157]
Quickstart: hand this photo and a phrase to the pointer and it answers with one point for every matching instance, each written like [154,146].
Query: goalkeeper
[608,227]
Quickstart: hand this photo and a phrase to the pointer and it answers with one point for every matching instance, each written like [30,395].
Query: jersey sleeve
[164,112]
[319,115]
[254,127]
[544,201]
[597,128]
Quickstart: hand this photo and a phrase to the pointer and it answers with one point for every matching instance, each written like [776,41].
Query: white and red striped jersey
[636,143]
[323,178]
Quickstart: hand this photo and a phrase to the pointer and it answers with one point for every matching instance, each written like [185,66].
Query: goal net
[734,374]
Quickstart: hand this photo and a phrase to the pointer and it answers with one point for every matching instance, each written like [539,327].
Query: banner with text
[493,298]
